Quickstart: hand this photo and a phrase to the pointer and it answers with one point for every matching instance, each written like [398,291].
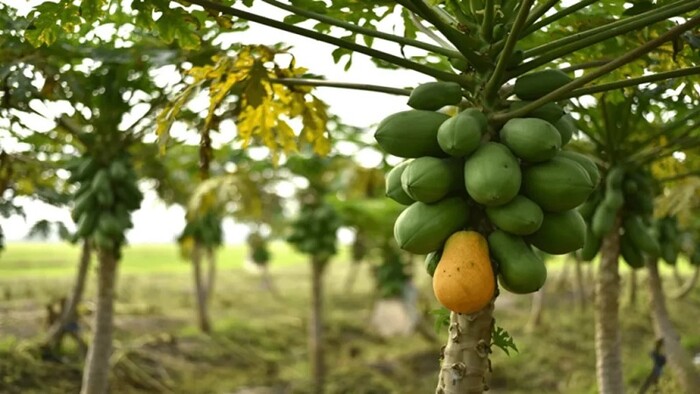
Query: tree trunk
[69,315]
[632,295]
[679,360]
[607,327]
[96,371]
[211,273]
[316,348]
[580,291]
[353,270]
[535,311]
[201,295]
[466,356]
[688,286]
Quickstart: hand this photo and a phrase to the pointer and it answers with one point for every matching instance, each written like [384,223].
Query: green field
[260,340]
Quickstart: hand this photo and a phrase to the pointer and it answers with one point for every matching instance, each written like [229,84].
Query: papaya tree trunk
[535,311]
[69,315]
[211,273]
[580,291]
[679,360]
[351,278]
[563,277]
[96,371]
[632,290]
[607,327]
[200,291]
[466,356]
[688,286]
[316,347]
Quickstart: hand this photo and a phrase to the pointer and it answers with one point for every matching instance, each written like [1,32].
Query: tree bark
[96,371]
[466,356]
[211,273]
[607,326]
[535,311]
[679,360]
[316,348]
[69,315]
[632,291]
[580,291]
[688,286]
[200,291]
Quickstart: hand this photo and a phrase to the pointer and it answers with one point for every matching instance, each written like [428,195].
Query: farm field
[259,340]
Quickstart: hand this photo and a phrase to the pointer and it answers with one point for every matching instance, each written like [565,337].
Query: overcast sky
[156,223]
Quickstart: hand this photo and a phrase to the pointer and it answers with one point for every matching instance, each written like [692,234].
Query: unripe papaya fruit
[587,209]
[431,261]
[432,96]
[108,224]
[614,199]
[86,223]
[531,139]
[603,220]
[84,203]
[539,83]
[614,178]
[591,246]
[492,175]
[459,64]
[520,216]
[629,186]
[423,228]
[640,236]
[460,135]
[411,133]
[427,179]
[566,125]
[560,233]
[393,184]
[464,281]
[669,252]
[516,58]
[520,270]
[551,112]
[586,163]
[630,253]
[557,185]
[478,115]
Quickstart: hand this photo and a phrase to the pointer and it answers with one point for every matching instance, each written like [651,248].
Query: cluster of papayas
[313,232]
[520,183]
[107,195]
[628,195]
[205,229]
[669,235]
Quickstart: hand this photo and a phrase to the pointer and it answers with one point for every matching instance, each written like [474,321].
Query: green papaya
[411,133]
[492,175]
[432,96]
[584,162]
[85,170]
[423,228]
[84,203]
[103,241]
[640,236]
[105,197]
[560,233]
[614,178]
[460,135]
[86,223]
[531,139]
[614,198]
[587,209]
[459,64]
[591,246]
[393,187]
[603,220]
[630,253]
[557,185]
[669,252]
[118,170]
[520,270]
[427,179]
[516,58]
[101,181]
[629,186]
[520,216]
[566,125]
[641,202]
[550,112]
[431,261]
[108,224]
[539,83]
[478,115]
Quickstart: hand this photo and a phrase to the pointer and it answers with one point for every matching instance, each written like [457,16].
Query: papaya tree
[479,49]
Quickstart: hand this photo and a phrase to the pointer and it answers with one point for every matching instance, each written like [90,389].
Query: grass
[260,340]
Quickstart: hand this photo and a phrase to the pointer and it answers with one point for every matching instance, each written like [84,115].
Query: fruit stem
[344,85]
[365,31]
[487,23]
[610,66]
[555,17]
[496,80]
[536,14]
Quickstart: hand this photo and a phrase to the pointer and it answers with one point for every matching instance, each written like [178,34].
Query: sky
[156,223]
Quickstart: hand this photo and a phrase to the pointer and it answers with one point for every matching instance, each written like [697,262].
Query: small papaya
[431,261]
[492,174]
[427,179]
[587,164]
[539,83]
[557,185]
[464,281]
[520,270]
[587,209]
[423,228]
[614,178]
[531,139]
[603,220]
[432,96]
[566,125]
[521,216]
[591,246]
[460,135]
[640,236]
[630,253]
[560,233]
[393,187]
[614,198]
[550,112]
[411,133]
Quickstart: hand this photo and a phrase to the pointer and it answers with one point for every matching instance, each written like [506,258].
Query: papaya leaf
[176,24]
[502,339]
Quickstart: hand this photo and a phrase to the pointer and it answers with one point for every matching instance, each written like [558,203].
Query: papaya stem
[555,17]
[679,176]
[537,13]
[419,25]
[487,23]
[633,82]
[365,31]
[343,85]
[496,79]
[610,66]
[462,42]
[585,65]
[559,48]
[398,61]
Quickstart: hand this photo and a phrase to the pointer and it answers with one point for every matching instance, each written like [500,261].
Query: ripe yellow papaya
[432,96]
[464,281]
[520,270]
[411,133]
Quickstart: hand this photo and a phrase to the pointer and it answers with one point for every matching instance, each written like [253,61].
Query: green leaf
[174,25]
[502,339]
[91,9]
[442,319]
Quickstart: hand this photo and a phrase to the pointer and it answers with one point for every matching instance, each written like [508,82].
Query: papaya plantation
[467,152]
